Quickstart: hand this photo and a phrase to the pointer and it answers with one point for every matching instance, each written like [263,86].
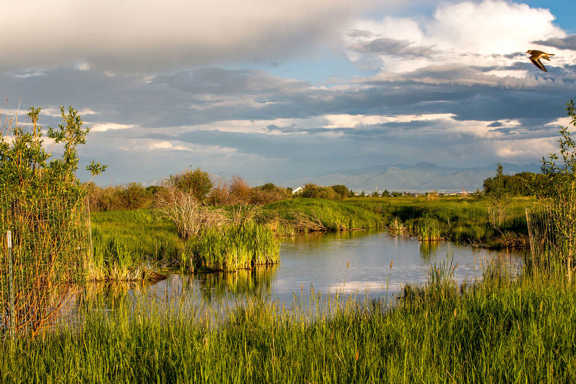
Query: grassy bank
[463,220]
[311,215]
[499,331]
[132,245]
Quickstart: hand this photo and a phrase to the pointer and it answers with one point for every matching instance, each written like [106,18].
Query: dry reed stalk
[187,213]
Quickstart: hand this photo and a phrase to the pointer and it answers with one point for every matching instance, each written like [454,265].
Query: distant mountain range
[420,177]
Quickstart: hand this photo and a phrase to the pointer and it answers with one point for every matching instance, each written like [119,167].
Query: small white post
[12,323]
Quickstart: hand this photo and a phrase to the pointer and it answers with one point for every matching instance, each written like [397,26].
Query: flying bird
[536,56]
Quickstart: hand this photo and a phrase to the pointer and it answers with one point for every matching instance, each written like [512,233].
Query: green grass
[462,220]
[306,215]
[129,245]
[499,331]
[234,247]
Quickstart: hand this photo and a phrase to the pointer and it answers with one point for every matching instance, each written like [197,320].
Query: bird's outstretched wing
[537,63]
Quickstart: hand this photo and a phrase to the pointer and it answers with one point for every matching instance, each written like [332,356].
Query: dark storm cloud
[170,107]
[207,96]
[218,81]
[568,42]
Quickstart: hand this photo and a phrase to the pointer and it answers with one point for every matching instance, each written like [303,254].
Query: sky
[406,94]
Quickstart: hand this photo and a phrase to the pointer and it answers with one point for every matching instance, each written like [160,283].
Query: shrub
[186,212]
[42,203]
[197,183]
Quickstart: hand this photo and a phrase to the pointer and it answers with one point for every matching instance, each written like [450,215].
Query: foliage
[131,196]
[310,215]
[197,183]
[319,192]
[558,229]
[520,184]
[42,204]
[342,191]
[268,193]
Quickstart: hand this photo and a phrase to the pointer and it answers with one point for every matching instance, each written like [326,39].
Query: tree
[560,198]
[195,182]
[316,191]
[239,191]
[42,205]
[341,190]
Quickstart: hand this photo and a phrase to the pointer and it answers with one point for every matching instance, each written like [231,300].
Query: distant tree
[135,196]
[195,182]
[385,193]
[342,191]
[268,193]
[316,191]
[239,191]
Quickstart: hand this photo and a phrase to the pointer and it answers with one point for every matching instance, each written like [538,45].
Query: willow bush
[552,226]
[42,205]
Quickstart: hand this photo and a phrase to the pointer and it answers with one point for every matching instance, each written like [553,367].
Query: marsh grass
[496,331]
[428,229]
[233,247]
[319,215]
[132,245]
[462,220]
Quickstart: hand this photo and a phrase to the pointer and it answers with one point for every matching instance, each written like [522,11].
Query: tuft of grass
[234,247]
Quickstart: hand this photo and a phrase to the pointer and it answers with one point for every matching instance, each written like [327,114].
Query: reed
[428,229]
[234,247]
[511,331]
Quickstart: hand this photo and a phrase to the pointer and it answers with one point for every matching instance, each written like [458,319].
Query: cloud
[148,34]
[489,33]
[569,42]
[104,127]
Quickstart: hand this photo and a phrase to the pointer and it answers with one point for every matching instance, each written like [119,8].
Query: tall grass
[497,332]
[233,247]
[462,220]
[132,245]
[428,229]
[310,215]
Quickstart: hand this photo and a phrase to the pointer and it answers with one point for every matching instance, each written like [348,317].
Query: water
[372,265]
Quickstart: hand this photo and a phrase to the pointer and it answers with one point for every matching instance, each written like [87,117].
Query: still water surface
[358,264]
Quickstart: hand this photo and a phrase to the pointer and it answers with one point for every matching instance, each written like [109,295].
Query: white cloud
[104,127]
[146,145]
[147,34]
[351,121]
[55,112]
[526,149]
[487,33]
